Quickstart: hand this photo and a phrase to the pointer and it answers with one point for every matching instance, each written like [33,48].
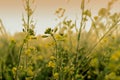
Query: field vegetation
[66,52]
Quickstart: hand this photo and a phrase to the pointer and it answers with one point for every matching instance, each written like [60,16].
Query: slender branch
[28,14]
[80,29]
[19,59]
[113,26]
[55,42]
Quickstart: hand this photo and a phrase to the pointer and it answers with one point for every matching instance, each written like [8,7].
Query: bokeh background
[11,12]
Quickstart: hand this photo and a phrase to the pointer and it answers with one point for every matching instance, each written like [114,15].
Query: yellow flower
[94,62]
[30,71]
[52,58]
[33,37]
[111,76]
[29,11]
[59,37]
[56,75]
[51,64]
[115,56]
[14,70]
[88,76]
[96,17]
[20,67]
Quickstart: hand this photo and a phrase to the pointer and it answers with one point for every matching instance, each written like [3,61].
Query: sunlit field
[67,51]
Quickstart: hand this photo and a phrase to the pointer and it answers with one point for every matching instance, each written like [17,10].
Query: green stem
[79,35]
[81,26]
[19,58]
[55,42]
[28,16]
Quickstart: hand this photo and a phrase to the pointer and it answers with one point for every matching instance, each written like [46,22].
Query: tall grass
[61,53]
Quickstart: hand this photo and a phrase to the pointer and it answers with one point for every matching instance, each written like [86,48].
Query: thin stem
[19,59]
[28,15]
[79,35]
[94,25]
[80,29]
[55,42]
[103,36]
